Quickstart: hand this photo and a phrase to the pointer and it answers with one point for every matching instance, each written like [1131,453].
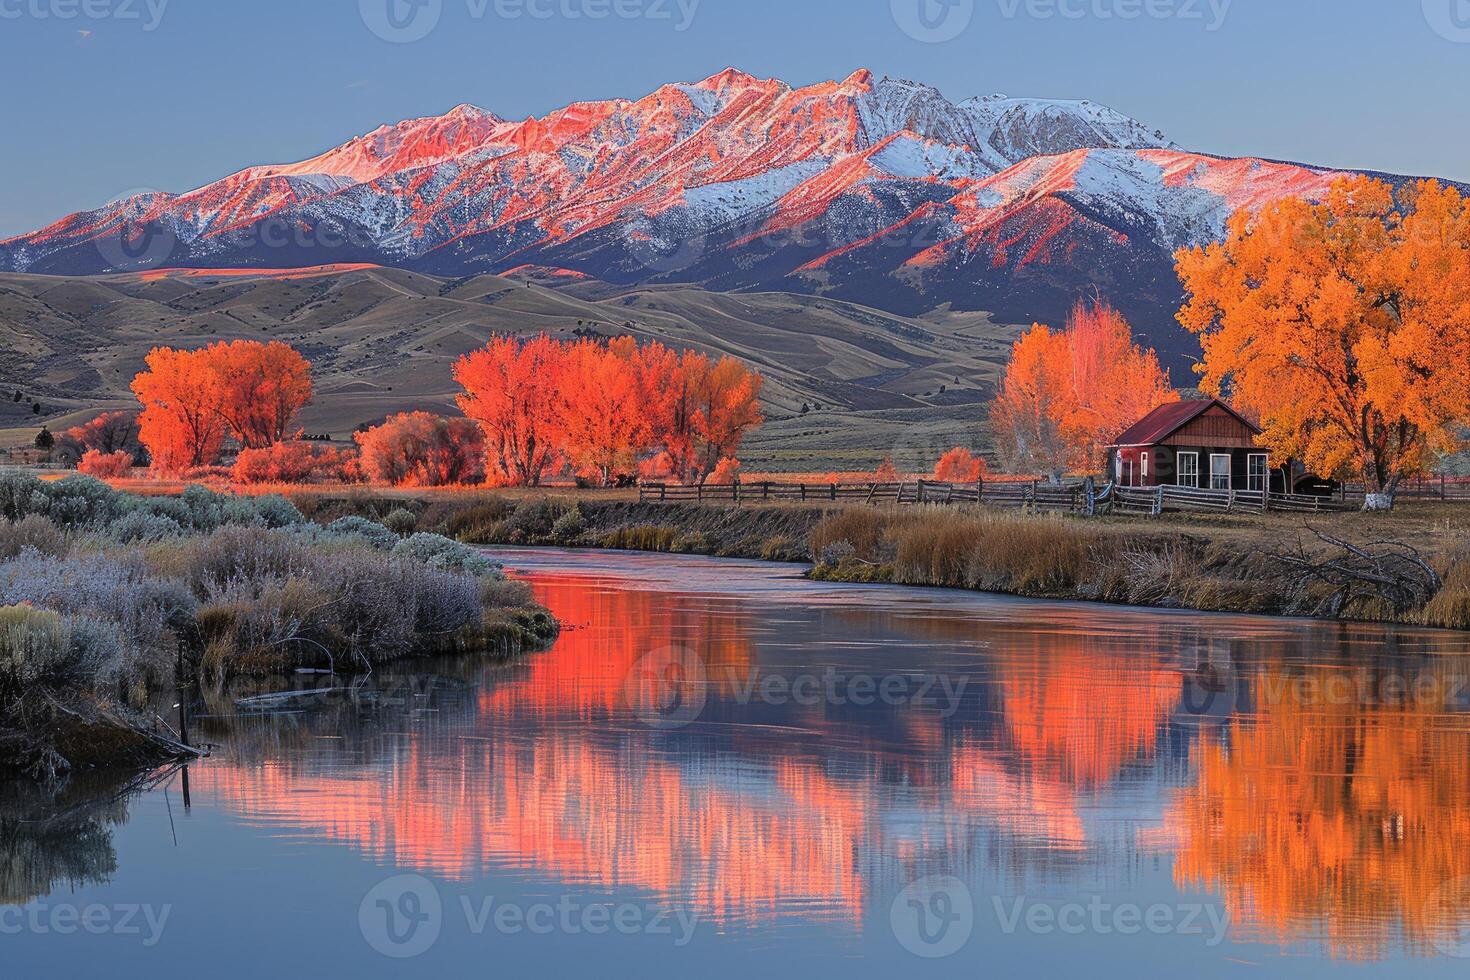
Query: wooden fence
[1075,498]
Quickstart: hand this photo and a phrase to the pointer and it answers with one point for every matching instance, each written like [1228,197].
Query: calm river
[722,770]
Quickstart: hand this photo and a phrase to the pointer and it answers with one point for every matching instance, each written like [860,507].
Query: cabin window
[1189,470]
[1220,472]
[1256,472]
[1143,467]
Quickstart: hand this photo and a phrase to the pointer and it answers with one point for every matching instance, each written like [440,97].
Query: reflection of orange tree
[1332,821]
[1079,708]
[586,674]
[594,815]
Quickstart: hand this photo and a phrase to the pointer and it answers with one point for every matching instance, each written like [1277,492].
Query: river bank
[1272,564]
[108,599]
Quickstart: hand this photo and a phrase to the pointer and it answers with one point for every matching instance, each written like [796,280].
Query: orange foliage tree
[192,400]
[512,389]
[110,432]
[602,427]
[420,449]
[607,409]
[180,423]
[726,409]
[1066,394]
[1345,326]
[959,465]
[262,388]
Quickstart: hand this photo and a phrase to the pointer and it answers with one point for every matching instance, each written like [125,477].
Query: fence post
[834,491]
[1159,501]
[1089,490]
[663,491]
[699,493]
[1441,487]
[921,491]
[979,489]
[766,491]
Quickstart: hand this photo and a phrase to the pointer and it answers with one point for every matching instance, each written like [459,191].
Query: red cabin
[1205,444]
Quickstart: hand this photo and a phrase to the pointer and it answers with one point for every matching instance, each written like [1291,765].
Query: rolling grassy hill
[383,340]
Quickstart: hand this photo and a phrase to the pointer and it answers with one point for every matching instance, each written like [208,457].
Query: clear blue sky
[98,103]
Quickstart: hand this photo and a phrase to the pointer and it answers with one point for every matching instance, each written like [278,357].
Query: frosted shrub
[362,529]
[272,511]
[401,521]
[141,525]
[437,551]
[204,508]
[150,611]
[82,502]
[31,532]
[21,494]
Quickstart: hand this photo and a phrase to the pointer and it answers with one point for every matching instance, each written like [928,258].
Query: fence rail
[1075,498]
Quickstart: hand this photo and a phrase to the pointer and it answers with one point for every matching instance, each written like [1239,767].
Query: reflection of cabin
[1201,444]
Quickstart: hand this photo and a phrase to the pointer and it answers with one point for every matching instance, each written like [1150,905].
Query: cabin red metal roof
[1166,420]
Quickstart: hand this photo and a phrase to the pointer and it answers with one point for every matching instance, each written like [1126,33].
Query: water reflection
[1315,779]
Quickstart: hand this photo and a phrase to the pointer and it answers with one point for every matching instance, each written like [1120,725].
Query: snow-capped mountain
[880,190]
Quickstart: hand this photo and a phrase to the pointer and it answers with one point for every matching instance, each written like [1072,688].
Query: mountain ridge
[876,190]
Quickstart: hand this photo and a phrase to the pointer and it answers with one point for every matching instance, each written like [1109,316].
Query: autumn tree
[1035,412]
[420,449]
[262,388]
[180,424]
[1344,326]
[1066,394]
[726,403]
[512,390]
[602,426]
[108,433]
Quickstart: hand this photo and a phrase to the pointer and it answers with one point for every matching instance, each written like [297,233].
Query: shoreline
[1205,563]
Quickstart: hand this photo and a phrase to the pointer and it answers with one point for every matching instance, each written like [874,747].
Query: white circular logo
[1449,18]
[668,688]
[663,248]
[1447,914]
[932,21]
[401,21]
[933,917]
[137,241]
[402,917]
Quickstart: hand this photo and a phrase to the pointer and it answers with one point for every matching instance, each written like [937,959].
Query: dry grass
[1222,564]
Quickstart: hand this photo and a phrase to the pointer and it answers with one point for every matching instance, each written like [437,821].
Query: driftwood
[1386,572]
